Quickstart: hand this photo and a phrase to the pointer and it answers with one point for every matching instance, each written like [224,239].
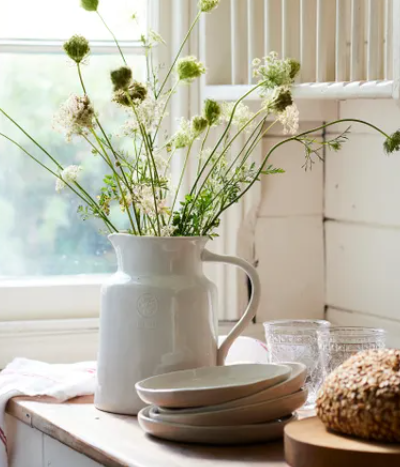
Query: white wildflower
[69,175]
[149,112]
[274,72]
[290,120]
[241,116]
[155,37]
[184,135]
[160,162]
[167,231]
[75,116]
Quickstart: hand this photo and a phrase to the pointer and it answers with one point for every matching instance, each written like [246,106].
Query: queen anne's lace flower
[290,120]
[149,113]
[275,72]
[241,116]
[75,116]
[69,175]
[280,98]
[167,230]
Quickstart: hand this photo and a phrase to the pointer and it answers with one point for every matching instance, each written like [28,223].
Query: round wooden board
[309,444]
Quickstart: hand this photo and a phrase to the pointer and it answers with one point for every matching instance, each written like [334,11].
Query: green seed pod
[121,78]
[212,111]
[77,48]
[199,124]
[90,5]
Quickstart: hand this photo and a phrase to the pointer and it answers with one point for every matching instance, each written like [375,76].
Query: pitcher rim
[123,234]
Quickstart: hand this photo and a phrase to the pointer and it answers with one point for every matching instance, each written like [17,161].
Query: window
[42,241]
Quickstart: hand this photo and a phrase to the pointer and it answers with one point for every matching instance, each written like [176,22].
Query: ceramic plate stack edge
[236,404]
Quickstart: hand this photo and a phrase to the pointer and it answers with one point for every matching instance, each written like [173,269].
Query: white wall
[289,235]
[330,238]
[362,229]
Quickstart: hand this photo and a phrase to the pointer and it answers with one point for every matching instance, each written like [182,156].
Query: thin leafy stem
[88,201]
[117,179]
[158,126]
[194,186]
[185,39]
[151,162]
[113,36]
[203,143]
[276,146]
[258,129]
[216,162]
[105,153]
[31,138]
[180,181]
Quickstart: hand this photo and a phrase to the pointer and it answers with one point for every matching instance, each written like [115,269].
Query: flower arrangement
[139,181]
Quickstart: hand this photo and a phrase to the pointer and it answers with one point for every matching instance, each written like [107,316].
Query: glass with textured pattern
[297,341]
[338,343]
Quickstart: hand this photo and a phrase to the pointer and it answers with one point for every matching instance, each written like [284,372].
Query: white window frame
[58,297]
[40,316]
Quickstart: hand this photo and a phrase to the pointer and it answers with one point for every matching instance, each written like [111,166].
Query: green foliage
[392,143]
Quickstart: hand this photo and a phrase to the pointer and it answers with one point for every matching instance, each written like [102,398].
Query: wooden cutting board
[309,444]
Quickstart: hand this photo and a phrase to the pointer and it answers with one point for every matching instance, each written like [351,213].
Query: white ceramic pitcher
[158,314]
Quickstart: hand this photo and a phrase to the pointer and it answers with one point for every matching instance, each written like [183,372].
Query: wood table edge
[17,409]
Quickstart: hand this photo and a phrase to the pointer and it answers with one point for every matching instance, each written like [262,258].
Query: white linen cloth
[23,377]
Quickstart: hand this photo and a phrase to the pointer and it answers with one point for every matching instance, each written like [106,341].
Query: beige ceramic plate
[246,415]
[209,385]
[244,434]
[292,384]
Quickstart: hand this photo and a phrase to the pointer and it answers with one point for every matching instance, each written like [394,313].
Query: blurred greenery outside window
[41,233]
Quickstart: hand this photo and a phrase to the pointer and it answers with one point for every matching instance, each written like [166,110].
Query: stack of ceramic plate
[233,404]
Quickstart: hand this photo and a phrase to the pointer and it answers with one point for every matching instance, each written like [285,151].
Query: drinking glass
[338,343]
[297,341]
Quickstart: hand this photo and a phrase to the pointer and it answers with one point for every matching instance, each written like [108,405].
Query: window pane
[57,19]
[40,230]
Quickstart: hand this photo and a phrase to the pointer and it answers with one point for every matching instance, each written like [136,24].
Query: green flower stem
[223,135]
[113,36]
[151,161]
[203,143]
[276,146]
[118,182]
[59,166]
[112,150]
[257,139]
[104,156]
[179,52]
[227,146]
[172,91]
[180,182]
[32,139]
[91,202]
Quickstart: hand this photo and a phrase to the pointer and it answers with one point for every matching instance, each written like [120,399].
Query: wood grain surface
[309,444]
[117,440]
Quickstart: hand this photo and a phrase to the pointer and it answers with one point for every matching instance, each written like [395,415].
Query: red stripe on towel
[3,438]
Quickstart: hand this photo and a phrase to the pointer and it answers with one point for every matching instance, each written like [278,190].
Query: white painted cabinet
[29,447]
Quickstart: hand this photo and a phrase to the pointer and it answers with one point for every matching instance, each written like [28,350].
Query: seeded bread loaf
[362,396]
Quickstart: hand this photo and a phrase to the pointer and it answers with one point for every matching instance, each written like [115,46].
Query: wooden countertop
[118,441]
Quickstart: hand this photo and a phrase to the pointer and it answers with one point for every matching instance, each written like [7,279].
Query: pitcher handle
[252,306]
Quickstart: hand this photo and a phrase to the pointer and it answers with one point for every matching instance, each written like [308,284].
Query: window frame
[59,297]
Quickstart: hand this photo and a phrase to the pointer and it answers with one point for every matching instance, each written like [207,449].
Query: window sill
[66,341]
